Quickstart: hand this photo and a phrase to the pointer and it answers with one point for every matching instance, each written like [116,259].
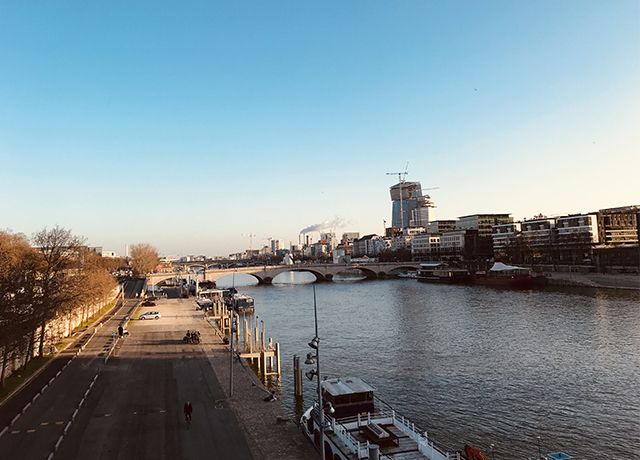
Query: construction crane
[401,179]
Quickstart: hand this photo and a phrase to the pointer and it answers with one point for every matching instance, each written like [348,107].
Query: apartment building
[504,235]
[425,246]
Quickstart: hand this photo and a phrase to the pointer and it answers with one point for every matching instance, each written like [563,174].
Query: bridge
[266,274]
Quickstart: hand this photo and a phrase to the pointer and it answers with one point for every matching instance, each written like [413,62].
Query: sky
[193,125]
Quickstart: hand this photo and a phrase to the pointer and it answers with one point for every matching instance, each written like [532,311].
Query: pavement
[131,406]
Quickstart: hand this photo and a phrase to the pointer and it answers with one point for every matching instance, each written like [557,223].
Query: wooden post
[278,361]
[237,326]
[264,363]
[245,331]
[262,335]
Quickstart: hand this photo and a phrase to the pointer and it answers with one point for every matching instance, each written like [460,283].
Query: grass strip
[22,375]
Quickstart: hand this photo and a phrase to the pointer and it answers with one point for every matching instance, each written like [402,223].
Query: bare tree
[18,272]
[59,286]
[144,258]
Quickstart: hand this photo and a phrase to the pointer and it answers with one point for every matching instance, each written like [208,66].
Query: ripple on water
[476,365]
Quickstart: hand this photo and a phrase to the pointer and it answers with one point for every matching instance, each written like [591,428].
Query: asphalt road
[134,410]
[37,430]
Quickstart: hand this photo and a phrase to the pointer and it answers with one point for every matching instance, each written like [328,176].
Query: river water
[476,365]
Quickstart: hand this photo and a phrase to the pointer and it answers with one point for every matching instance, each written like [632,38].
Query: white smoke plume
[336,222]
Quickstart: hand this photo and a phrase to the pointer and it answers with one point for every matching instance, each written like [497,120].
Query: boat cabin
[242,302]
[349,396]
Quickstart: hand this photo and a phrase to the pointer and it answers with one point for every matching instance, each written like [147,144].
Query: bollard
[374,452]
[297,376]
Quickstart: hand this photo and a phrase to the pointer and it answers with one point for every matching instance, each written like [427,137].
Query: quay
[130,406]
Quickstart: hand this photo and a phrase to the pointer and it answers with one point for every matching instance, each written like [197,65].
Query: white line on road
[58,443]
[31,431]
[59,423]
[4,430]
[44,423]
[14,419]
[66,428]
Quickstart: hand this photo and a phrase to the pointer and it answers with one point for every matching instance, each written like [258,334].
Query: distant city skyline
[192,127]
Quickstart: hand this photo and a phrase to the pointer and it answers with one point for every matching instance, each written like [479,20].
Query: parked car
[150,315]
[148,303]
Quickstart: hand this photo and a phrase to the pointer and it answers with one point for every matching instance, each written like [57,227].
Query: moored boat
[358,427]
[440,273]
[508,276]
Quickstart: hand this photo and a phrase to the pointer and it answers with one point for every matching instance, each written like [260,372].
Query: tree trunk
[5,353]
[42,333]
[32,338]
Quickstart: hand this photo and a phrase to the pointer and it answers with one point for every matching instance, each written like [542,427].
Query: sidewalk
[270,437]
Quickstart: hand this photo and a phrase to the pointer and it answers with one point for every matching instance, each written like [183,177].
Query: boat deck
[402,447]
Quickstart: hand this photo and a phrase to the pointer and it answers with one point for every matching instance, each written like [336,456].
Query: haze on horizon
[192,126]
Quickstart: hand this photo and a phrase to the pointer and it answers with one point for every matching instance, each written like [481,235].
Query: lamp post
[232,327]
[539,450]
[491,447]
[315,344]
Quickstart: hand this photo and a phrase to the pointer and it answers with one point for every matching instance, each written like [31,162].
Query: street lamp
[315,358]
[539,450]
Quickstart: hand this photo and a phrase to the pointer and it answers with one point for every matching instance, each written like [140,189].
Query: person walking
[188,410]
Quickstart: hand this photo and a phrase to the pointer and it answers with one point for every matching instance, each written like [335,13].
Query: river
[477,365]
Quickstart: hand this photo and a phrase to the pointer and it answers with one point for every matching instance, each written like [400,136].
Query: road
[134,409]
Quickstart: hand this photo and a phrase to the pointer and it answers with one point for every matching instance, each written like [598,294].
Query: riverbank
[272,434]
[595,280]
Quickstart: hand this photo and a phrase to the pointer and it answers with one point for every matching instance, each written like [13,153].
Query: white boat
[355,428]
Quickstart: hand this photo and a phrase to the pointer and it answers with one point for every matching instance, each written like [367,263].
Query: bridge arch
[370,274]
[161,279]
[402,269]
[260,279]
[319,276]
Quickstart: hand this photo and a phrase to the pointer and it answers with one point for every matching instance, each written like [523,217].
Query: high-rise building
[409,207]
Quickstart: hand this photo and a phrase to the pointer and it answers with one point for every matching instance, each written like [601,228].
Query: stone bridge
[266,274]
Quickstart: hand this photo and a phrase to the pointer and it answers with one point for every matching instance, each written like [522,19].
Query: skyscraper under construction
[409,207]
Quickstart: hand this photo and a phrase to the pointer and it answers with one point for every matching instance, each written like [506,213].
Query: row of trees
[54,276]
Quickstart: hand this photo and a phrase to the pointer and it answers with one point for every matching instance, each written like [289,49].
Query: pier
[261,352]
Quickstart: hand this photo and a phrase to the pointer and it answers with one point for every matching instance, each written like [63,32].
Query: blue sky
[190,125]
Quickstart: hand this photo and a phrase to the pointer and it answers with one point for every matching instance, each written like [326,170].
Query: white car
[150,315]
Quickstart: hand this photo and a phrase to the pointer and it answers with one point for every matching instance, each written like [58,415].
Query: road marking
[44,423]
[162,411]
[15,432]
[107,415]
[59,423]
[31,431]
